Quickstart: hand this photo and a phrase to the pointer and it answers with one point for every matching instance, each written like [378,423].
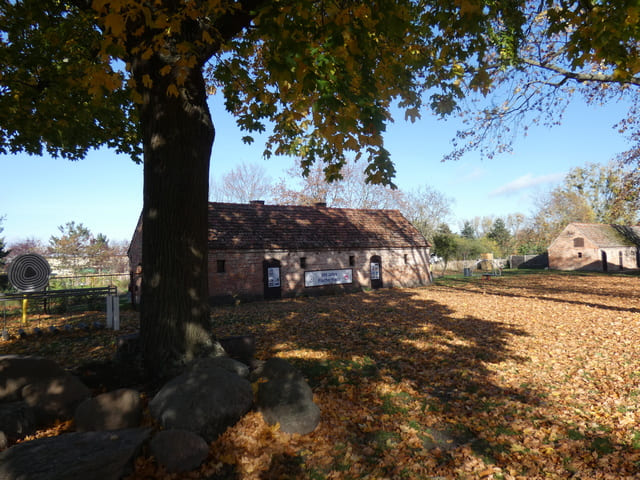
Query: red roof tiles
[288,227]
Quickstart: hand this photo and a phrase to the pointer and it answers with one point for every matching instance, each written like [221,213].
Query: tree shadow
[391,338]
[407,362]
[579,287]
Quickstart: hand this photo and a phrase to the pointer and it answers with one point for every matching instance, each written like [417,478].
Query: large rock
[94,455]
[17,419]
[285,397]
[226,363]
[110,411]
[240,347]
[52,392]
[179,450]
[204,400]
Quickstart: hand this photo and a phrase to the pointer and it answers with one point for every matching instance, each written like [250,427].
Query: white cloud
[525,182]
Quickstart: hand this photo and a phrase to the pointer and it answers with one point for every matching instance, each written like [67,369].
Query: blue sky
[104,191]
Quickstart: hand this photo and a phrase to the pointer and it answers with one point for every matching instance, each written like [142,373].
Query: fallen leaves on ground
[517,377]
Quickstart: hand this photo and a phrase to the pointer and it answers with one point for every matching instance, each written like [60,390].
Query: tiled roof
[605,235]
[259,226]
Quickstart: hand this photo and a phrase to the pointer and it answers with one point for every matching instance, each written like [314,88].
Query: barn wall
[563,255]
[243,276]
[135,248]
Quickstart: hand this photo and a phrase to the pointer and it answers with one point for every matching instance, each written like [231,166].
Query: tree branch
[580,77]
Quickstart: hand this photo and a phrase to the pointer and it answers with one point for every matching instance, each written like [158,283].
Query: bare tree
[246,182]
[351,190]
[426,208]
[29,245]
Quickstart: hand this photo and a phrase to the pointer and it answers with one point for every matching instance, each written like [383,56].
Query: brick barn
[259,251]
[596,247]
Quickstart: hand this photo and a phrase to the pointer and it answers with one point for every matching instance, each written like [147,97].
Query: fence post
[113,312]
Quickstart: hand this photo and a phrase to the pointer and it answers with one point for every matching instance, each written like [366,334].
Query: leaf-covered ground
[518,377]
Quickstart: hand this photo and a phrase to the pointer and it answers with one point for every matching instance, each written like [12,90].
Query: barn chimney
[320,204]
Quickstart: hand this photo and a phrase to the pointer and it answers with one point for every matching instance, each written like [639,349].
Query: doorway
[271,279]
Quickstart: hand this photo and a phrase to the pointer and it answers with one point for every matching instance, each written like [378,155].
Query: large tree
[570,48]
[79,74]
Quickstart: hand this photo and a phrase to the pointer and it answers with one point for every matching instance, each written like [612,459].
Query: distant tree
[609,191]
[501,236]
[77,249]
[426,208]
[3,250]
[246,182]
[70,249]
[29,245]
[471,248]
[556,210]
[468,231]
[444,244]
[99,253]
[349,189]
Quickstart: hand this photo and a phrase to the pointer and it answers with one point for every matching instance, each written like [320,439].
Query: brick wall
[565,255]
[242,275]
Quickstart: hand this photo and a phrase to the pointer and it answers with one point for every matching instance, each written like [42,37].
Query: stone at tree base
[114,410]
[203,400]
[127,348]
[73,456]
[17,419]
[55,398]
[52,392]
[226,363]
[285,397]
[179,450]
[239,347]
[16,371]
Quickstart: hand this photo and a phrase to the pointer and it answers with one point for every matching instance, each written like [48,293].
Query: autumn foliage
[518,377]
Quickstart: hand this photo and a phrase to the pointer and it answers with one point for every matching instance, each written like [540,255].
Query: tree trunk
[177,137]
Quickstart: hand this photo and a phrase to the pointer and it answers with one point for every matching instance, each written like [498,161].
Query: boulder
[52,392]
[94,455]
[17,419]
[204,400]
[239,347]
[110,411]
[16,371]
[179,450]
[285,397]
[229,364]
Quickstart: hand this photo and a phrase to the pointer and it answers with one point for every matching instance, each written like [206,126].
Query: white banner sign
[328,277]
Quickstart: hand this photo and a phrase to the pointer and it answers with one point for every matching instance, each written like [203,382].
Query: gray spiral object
[29,272]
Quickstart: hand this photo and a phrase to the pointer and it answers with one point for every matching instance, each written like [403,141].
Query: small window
[220,266]
[352,260]
[579,254]
[303,262]
[578,242]
[406,259]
